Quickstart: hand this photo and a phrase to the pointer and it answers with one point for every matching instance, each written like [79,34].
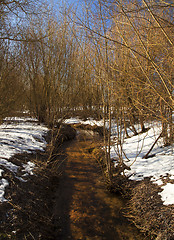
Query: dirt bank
[28,212]
[148,213]
[144,205]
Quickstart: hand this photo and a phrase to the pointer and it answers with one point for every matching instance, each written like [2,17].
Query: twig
[147,154]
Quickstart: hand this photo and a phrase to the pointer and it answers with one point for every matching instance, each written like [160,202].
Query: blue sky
[58,3]
[76,2]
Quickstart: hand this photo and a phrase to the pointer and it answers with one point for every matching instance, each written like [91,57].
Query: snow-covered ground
[19,135]
[158,167]
[26,135]
[89,121]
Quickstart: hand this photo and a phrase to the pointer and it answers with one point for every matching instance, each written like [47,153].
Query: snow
[26,135]
[3,184]
[19,135]
[8,165]
[167,195]
[1,171]
[156,167]
[89,121]
[28,168]
[20,119]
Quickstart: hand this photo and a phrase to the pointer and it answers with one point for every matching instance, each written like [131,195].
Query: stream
[84,209]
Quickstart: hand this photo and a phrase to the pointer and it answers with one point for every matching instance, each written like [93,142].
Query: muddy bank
[28,212]
[148,213]
[144,205]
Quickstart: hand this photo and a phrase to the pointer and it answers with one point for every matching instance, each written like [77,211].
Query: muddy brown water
[84,209]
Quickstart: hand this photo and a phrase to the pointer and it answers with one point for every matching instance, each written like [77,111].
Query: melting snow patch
[89,121]
[8,165]
[159,182]
[167,194]
[21,119]
[72,120]
[157,166]
[1,171]
[28,168]
[3,185]
[19,135]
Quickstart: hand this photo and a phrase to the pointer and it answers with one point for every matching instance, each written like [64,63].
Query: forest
[111,59]
[106,60]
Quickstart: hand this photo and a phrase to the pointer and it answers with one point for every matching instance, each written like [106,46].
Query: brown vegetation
[114,62]
[148,213]
[28,214]
[144,205]
[111,60]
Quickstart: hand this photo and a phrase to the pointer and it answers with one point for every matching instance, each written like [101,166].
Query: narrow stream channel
[84,209]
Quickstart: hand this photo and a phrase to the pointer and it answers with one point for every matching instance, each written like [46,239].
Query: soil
[65,199]
[148,213]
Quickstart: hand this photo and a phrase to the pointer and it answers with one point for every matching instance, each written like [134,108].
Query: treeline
[112,59]
[44,66]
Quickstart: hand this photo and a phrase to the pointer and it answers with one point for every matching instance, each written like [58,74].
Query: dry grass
[28,213]
[148,213]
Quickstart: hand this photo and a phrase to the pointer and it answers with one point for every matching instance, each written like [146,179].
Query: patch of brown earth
[28,212]
[149,214]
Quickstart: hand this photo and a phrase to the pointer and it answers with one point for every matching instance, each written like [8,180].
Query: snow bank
[28,168]
[3,185]
[19,135]
[167,195]
[89,121]
[158,166]
[1,171]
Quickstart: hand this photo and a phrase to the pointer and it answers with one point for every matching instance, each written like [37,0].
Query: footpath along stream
[84,209]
